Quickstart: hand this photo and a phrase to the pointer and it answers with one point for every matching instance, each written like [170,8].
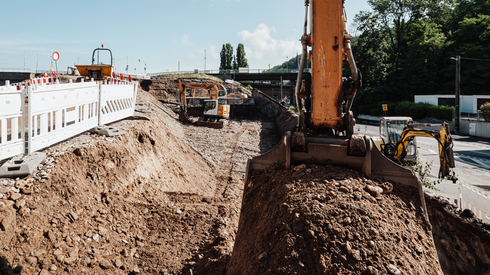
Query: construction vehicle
[97,70]
[390,130]
[404,146]
[215,108]
[325,124]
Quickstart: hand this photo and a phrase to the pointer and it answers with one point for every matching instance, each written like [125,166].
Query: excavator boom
[324,132]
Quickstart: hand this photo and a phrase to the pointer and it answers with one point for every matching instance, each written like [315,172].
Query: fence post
[29,118]
[100,103]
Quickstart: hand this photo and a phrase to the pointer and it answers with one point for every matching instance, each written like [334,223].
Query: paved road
[472,156]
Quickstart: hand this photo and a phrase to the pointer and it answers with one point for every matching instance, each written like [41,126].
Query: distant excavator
[215,108]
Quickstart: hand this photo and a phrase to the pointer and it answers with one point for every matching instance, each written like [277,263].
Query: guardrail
[58,111]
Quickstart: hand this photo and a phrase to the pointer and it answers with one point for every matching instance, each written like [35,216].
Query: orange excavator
[215,109]
[325,126]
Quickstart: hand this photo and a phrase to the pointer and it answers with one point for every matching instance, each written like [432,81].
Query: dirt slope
[146,202]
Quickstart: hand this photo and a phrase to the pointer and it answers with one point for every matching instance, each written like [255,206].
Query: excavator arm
[443,138]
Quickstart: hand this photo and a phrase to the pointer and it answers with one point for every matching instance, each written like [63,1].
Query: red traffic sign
[56,56]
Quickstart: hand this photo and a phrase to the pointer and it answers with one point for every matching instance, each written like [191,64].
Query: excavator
[325,124]
[397,151]
[215,108]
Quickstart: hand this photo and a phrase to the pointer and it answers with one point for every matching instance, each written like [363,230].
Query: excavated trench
[166,198]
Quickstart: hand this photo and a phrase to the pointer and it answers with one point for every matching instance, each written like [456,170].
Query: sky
[165,35]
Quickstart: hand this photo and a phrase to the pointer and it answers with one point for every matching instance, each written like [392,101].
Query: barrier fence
[466,197]
[12,124]
[56,111]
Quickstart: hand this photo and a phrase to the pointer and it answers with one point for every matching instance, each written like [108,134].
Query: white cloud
[185,40]
[260,43]
[214,52]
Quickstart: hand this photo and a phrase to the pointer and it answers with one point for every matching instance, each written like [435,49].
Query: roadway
[471,155]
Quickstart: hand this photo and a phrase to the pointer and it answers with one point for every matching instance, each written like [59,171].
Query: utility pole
[24,60]
[204,61]
[458,92]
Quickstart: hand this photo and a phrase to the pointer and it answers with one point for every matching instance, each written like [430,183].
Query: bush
[403,108]
[485,111]
[376,111]
[441,112]
[417,111]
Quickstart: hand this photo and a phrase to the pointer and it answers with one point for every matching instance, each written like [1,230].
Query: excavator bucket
[357,153]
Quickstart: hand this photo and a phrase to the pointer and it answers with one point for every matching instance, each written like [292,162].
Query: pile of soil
[162,199]
[167,89]
[328,220]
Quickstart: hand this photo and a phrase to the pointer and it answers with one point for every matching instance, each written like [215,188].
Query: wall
[482,127]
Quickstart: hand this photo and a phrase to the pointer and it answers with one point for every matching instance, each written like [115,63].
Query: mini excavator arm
[443,138]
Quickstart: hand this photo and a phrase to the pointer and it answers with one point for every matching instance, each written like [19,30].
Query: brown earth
[321,220]
[165,198]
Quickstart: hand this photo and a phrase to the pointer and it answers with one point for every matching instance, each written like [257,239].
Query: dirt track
[165,198]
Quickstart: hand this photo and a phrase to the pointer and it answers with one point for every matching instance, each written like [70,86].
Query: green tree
[241,60]
[226,57]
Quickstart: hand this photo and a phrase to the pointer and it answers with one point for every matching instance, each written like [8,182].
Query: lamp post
[457,93]
[139,60]
[287,64]
[204,61]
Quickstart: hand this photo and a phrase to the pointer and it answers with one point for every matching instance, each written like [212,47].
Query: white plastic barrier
[476,202]
[60,111]
[117,101]
[12,124]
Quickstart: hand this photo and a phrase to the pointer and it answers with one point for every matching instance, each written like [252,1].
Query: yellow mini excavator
[324,131]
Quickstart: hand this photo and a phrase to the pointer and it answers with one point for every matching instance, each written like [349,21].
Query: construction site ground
[166,197]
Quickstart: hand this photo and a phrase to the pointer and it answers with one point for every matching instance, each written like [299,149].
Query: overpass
[247,74]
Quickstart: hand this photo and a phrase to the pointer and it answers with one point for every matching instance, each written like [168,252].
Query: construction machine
[215,108]
[325,124]
[97,70]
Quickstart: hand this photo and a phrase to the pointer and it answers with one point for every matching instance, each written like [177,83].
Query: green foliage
[294,109]
[485,111]
[441,112]
[403,108]
[249,87]
[423,171]
[417,111]
[241,60]
[403,49]
[376,111]
[226,57]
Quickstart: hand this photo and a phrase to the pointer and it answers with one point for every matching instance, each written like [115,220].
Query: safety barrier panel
[12,124]
[476,202]
[117,100]
[58,112]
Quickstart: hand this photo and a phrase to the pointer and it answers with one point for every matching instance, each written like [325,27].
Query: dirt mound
[167,89]
[321,220]
[162,199]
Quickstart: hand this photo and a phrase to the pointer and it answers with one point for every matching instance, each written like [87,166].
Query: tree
[226,57]
[241,60]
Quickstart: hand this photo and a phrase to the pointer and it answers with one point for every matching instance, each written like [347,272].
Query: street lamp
[204,61]
[287,64]
[139,60]
[457,92]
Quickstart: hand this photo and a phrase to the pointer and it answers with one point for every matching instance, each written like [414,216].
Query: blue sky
[162,33]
